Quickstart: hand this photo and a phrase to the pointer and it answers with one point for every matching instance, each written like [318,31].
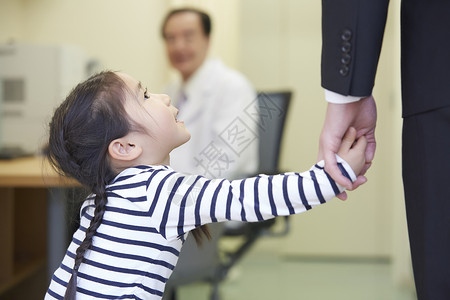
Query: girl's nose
[166,99]
[162,97]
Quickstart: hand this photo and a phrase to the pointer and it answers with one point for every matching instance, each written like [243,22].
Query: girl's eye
[146,95]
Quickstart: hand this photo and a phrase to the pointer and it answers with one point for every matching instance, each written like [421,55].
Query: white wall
[11,20]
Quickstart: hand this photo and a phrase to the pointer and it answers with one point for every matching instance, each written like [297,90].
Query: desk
[31,171]
[32,218]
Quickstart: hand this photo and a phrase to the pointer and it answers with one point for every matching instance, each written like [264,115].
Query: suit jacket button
[344,70]
[346,47]
[346,58]
[346,35]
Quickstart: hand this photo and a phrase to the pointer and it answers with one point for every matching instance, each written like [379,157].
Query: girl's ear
[123,150]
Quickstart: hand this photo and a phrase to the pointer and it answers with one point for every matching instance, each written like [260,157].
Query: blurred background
[277,45]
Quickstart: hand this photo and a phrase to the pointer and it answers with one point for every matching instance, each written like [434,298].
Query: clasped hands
[349,131]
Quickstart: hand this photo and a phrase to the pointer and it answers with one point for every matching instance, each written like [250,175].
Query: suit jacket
[352,38]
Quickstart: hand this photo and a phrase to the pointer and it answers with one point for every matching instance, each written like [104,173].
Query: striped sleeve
[187,201]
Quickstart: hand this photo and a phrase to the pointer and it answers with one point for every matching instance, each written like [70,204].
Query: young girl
[115,138]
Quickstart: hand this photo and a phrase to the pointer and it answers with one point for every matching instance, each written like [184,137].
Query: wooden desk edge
[32,172]
[33,181]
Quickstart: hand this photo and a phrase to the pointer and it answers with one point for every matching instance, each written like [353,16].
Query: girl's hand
[353,152]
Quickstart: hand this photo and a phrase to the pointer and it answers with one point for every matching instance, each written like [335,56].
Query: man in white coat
[217,104]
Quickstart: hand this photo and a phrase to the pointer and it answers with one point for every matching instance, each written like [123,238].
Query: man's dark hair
[205,20]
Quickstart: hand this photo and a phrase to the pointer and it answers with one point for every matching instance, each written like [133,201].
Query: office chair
[273,108]
[206,263]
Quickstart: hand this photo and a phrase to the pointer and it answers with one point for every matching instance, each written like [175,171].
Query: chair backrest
[273,108]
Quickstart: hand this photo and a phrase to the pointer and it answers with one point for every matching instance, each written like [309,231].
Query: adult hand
[362,115]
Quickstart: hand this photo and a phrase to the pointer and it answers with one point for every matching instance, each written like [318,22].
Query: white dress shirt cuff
[333,97]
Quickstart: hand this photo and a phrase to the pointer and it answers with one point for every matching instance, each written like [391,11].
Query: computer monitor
[33,80]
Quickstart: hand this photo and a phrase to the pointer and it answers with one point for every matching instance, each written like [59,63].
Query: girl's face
[157,117]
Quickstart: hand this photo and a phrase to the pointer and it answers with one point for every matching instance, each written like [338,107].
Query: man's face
[186,42]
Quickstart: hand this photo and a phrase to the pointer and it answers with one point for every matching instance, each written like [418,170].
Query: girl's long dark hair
[81,130]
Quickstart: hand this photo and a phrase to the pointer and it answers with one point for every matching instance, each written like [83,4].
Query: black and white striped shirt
[151,208]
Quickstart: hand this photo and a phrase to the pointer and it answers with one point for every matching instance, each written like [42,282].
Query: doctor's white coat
[221,112]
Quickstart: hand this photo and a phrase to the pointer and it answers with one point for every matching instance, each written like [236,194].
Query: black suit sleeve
[352,34]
